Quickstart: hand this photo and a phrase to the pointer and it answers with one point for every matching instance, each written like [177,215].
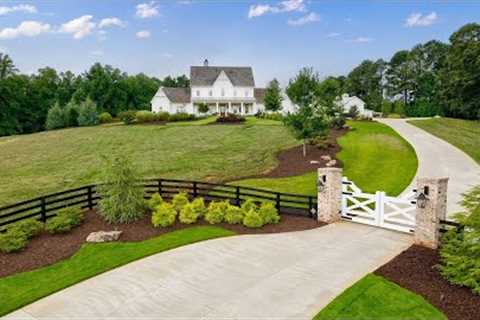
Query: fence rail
[87,197]
[446,225]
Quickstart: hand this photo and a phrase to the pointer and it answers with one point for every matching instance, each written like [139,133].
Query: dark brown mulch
[414,269]
[47,249]
[291,162]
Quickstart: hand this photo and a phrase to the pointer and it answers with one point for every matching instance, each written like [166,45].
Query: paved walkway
[282,276]
[438,158]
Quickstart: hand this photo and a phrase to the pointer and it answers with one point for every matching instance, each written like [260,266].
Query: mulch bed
[414,269]
[47,249]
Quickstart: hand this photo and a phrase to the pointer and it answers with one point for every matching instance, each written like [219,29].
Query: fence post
[277,204]
[160,187]
[43,210]
[237,195]
[90,201]
[431,208]
[310,206]
[195,191]
[329,194]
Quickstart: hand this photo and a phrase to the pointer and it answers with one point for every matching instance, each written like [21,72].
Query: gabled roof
[177,95]
[206,76]
[259,94]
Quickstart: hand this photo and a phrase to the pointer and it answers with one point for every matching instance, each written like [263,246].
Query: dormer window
[198,93]
[223,92]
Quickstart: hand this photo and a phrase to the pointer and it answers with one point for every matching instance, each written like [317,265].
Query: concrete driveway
[281,276]
[438,158]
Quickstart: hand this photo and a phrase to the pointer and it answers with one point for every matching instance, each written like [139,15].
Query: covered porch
[225,107]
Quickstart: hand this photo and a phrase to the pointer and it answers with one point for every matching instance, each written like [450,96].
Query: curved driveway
[281,276]
[437,159]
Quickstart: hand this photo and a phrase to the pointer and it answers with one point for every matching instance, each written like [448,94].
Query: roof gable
[177,95]
[206,76]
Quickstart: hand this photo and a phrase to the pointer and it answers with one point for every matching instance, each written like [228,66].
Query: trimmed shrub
[277,116]
[122,198]
[230,118]
[127,117]
[353,112]
[460,259]
[55,118]
[164,215]
[268,213]
[105,117]
[252,219]
[87,113]
[29,227]
[248,205]
[12,241]
[216,212]
[144,116]
[188,214]
[179,201]
[234,215]
[66,220]
[154,201]
[162,116]
[199,206]
[203,108]
[182,116]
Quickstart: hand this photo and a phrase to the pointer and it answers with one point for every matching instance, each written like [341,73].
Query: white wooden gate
[378,209]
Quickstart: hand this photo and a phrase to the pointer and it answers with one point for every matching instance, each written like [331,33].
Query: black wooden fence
[87,197]
[446,225]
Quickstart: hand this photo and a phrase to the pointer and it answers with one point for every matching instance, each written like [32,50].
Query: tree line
[26,99]
[429,79]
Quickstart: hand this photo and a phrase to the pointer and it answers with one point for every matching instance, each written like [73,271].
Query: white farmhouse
[222,89]
[347,103]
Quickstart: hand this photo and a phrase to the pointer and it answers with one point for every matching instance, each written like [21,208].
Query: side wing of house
[160,102]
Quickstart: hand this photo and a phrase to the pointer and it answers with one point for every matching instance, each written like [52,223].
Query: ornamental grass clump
[122,197]
[199,206]
[234,215]
[188,214]
[216,211]
[460,250]
[249,205]
[164,215]
[154,201]
[269,213]
[65,220]
[252,219]
[179,201]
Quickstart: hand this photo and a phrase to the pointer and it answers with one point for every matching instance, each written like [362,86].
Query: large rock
[104,236]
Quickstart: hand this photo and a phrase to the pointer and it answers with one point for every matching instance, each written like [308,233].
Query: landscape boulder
[104,236]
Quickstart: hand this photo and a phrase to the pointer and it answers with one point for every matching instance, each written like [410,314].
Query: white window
[210,93]
[223,92]
[198,93]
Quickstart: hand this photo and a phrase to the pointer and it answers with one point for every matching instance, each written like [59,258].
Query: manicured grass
[374,156]
[463,134]
[374,297]
[92,259]
[47,162]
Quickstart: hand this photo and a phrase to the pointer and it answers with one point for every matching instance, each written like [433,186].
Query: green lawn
[374,297]
[375,157]
[464,134]
[50,161]
[92,259]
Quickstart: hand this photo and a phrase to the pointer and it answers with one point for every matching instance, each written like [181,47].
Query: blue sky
[276,38]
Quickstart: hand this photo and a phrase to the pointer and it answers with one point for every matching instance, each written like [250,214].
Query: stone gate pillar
[329,186]
[430,210]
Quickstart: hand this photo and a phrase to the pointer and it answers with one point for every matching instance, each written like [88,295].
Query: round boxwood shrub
[164,215]
[234,215]
[179,201]
[216,212]
[252,219]
[105,117]
[268,213]
[144,116]
[199,206]
[29,227]
[154,201]
[12,241]
[66,220]
[162,116]
[127,117]
[188,215]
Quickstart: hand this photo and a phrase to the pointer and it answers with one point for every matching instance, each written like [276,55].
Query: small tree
[55,118]
[122,198]
[311,121]
[87,113]
[353,112]
[71,114]
[203,108]
[273,98]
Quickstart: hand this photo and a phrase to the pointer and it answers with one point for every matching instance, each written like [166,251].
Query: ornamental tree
[273,98]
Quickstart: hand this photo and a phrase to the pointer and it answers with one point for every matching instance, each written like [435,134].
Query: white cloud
[26,8]
[112,22]
[79,27]
[25,29]
[147,10]
[420,20]
[333,35]
[309,18]
[143,34]
[96,53]
[284,6]
[361,40]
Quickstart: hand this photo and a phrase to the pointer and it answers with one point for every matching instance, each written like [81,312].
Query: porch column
[229,107]
[431,208]
[218,110]
[329,186]
[241,109]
